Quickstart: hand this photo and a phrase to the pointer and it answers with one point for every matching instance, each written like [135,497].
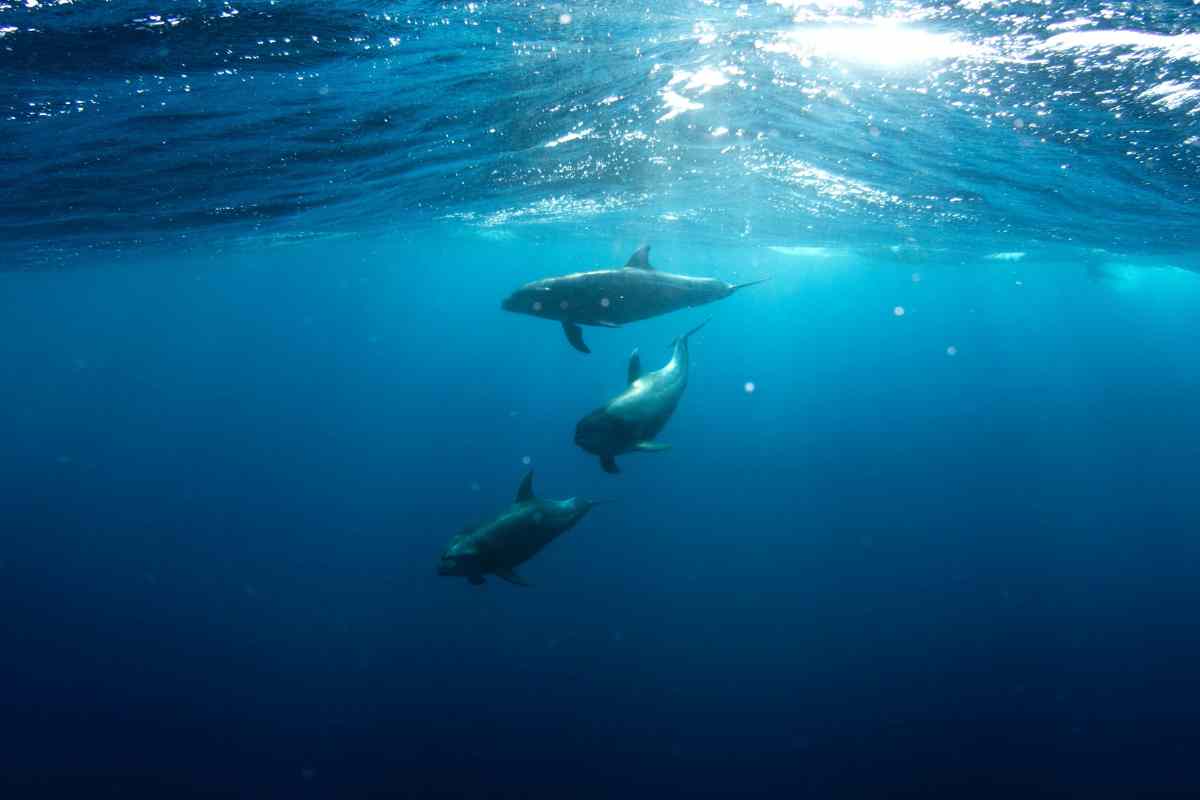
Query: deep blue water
[254,375]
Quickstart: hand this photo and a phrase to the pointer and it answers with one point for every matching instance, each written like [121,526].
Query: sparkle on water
[879,80]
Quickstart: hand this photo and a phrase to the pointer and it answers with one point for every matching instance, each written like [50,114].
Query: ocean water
[929,522]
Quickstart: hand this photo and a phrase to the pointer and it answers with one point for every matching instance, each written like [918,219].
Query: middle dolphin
[629,421]
[612,297]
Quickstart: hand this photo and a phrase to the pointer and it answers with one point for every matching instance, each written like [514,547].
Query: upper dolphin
[629,421]
[612,297]
[511,537]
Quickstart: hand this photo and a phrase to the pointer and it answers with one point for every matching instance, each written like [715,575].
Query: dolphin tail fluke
[697,328]
[609,465]
[747,284]
[683,339]
[575,336]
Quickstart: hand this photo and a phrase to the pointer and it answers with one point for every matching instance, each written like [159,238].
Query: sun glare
[880,42]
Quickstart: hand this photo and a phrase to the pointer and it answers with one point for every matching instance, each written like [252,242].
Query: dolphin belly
[645,408]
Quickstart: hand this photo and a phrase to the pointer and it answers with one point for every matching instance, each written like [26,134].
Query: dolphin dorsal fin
[640,259]
[525,492]
[635,366]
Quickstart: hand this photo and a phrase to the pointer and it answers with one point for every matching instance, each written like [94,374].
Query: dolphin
[512,537]
[611,297]
[629,421]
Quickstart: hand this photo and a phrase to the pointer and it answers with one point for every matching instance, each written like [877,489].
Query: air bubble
[749,387]
[605,302]
[537,305]
[563,305]
[898,311]
[526,460]
[951,350]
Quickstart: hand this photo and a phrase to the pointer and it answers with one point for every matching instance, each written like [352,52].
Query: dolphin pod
[627,423]
[610,298]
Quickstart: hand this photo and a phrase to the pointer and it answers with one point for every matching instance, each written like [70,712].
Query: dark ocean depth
[929,525]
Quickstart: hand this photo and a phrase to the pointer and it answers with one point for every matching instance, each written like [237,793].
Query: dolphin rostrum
[512,537]
[612,297]
[629,421]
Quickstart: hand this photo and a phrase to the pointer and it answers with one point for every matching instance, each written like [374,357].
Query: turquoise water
[927,523]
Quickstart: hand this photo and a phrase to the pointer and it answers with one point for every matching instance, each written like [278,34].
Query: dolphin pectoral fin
[575,336]
[525,492]
[609,465]
[651,447]
[640,259]
[635,366]
[512,577]
[475,580]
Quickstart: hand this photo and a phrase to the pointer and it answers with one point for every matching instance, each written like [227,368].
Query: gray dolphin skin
[628,422]
[611,297]
[512,537]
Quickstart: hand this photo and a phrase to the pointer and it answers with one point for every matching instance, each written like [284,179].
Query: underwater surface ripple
[801,123]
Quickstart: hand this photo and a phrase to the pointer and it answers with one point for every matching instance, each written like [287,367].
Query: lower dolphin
[512,537]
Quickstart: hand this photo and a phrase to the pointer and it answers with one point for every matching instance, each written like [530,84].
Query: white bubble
[951,350]
[563,305]
[526,460]
[916,277]
[605,302]
[1020,283]
[898,311]
[537,305]
[475,486]
[749,387]
[564,19]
